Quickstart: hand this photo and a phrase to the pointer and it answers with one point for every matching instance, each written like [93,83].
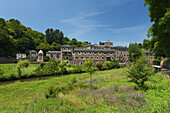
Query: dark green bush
[46,58]
[157,61]
[33,59]
[140,72]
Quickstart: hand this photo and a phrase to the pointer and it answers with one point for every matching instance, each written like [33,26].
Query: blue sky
[121,21]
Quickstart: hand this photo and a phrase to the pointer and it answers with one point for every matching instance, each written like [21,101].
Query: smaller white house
[20,56]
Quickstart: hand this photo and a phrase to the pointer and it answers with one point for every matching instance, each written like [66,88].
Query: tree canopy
[134,51]
[159,13]
[15,38]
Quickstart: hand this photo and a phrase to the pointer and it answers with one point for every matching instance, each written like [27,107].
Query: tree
[20,65]
[146,44]
[53,65]
[159,12]
[40,70]
[89,69]
[62,66]
[134,52]
[140,72]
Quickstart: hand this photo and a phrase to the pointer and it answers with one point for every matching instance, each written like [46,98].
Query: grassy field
[10,69]
[30,96]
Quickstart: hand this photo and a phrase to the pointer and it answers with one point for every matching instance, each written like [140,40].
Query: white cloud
[83,23]
[128,29]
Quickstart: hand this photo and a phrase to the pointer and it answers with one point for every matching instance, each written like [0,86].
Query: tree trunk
[91,80]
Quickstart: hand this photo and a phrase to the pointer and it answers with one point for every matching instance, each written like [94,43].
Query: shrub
[20,65]
[139,72]
[40,69]
[33,59]
[89,69]
[51,93]
[62,67]
[1,70]
[46,58]
[53,66]
[157,61]
[99,65]
[115,63]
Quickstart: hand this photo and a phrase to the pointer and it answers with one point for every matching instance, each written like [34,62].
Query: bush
[46,58]
[33,59]
[51,93]
[140,72]
[99,65]
[157,61]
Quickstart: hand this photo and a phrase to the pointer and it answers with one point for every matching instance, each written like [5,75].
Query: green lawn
[20,96]
[11,70]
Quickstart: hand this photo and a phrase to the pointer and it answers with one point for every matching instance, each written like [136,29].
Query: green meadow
[29,96]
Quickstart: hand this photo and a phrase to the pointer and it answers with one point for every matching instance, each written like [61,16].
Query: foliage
[15,37]
[111,64]
[146,44]
[51,93]
[20,65]
[33,59]
[89,69]
[99,65]
[1,70]
[46,58]
[134,52]
[62,67]
[159,12]
[40,69]
[114,95]
[140,72]
[53,66]
[157,61]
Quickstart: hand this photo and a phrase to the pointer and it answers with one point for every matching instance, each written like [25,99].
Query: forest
[17,38]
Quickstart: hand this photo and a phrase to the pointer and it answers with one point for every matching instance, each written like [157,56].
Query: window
[81,63]
[81,57]
[77,57]
[97,57]
[103,58]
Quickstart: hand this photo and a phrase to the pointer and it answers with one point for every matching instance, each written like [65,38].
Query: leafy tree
[40,70]
[146,44]
[62,66]
[134,52]
[44,47]
[140,72]
[53,65]
[159,12]
[20,65]
[89,69]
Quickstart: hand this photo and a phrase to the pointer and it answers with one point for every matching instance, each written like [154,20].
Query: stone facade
[99,53]
[20,56]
